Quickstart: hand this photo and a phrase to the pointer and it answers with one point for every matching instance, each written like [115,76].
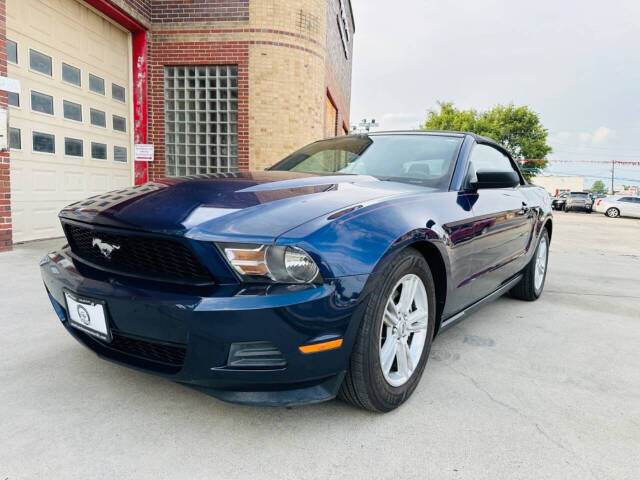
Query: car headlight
[271,263]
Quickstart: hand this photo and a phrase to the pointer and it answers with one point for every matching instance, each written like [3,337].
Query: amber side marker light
[320,347]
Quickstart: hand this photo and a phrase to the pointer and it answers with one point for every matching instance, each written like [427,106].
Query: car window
[579,195]
[626,199]
[485,157]
[426,160]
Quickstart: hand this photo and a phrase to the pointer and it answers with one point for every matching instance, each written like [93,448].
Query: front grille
[137,255]
[145,354]
[156,352]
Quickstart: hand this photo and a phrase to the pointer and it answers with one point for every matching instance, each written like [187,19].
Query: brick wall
[5,186]
[181,11]
[173,50]
[138,9]
[338,65]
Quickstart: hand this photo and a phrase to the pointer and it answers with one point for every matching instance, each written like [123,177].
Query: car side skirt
[458,317]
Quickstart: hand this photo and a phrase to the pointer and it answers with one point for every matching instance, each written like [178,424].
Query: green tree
[518,129]
[598,187]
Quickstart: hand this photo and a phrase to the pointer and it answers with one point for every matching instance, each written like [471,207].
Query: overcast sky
[576,63]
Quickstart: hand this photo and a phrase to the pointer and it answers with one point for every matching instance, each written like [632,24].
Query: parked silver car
[618,206]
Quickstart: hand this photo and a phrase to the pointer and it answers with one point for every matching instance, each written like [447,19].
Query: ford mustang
[329,274]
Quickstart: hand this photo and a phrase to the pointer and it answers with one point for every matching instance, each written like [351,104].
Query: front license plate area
[88,315]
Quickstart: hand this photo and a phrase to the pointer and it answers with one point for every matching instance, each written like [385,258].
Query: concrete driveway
[549,389]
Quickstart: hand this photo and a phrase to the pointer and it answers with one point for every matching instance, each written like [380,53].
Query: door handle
[524,210]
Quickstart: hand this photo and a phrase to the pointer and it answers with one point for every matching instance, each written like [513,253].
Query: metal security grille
[201,119]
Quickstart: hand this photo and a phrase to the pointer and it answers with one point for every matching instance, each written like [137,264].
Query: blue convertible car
[327,275]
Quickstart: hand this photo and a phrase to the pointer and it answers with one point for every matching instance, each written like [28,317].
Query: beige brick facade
[291,72]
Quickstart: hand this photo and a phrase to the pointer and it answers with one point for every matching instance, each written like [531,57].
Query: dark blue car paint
[349,224]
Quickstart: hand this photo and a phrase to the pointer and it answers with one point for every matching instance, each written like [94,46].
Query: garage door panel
[45,220]
[42,184]
[69,34]
[40,22]
[74,183]
[100,182]
[120,181]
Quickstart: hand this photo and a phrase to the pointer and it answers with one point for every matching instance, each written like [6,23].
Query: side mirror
[494,179]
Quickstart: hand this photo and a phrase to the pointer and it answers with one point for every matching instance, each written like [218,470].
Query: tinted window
[98,150]
[73,147]
[40,62]
[626,199]
[119,123]
[72,111]
[96,84]
[484,157]
[71,74]
[15,139]
[12,51]
[13,99]
[117,92]
[98,118]
[580,195]
[44,142]
[41,103]
[119,154]
[421,159]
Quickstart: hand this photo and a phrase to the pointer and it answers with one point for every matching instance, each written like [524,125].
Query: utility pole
[613,171]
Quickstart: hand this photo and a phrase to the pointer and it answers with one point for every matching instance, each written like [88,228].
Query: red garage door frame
[139,97]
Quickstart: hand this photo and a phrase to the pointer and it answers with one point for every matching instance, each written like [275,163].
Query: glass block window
[15,139]
[72,110]
[42,103]
[98,117]
[96,84]
[71,74]
[99,150]
[119,153]
[12,51]
[201,119]
[73,147]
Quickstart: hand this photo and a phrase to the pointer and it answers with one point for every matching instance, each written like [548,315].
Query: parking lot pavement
[549,389]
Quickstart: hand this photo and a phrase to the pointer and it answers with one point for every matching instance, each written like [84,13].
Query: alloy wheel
[541,263]
[403,331]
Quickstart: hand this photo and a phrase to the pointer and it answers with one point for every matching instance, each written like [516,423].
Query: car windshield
[583,195]
[426,160]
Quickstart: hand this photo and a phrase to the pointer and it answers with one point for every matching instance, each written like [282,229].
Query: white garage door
[71,125]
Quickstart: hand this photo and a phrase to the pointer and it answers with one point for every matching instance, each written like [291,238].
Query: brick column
[5,186]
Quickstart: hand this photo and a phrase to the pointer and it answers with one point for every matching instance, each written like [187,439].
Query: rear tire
[532,283]
[368,383]
[612,212]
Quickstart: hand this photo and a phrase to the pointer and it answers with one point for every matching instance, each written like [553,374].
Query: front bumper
[185,333]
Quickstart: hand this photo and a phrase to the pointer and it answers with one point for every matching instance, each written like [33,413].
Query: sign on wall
[143,152]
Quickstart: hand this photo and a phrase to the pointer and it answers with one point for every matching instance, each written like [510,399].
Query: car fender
[354,243]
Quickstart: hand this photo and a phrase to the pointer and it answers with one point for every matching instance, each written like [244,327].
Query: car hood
[243,206]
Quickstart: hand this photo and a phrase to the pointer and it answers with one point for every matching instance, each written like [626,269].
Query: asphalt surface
[549,389]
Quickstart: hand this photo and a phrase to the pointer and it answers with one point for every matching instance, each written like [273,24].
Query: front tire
[532,283]
[394,337]
[612,212]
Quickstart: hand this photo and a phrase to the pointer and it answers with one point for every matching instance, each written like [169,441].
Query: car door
[503,222]
[630,206]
